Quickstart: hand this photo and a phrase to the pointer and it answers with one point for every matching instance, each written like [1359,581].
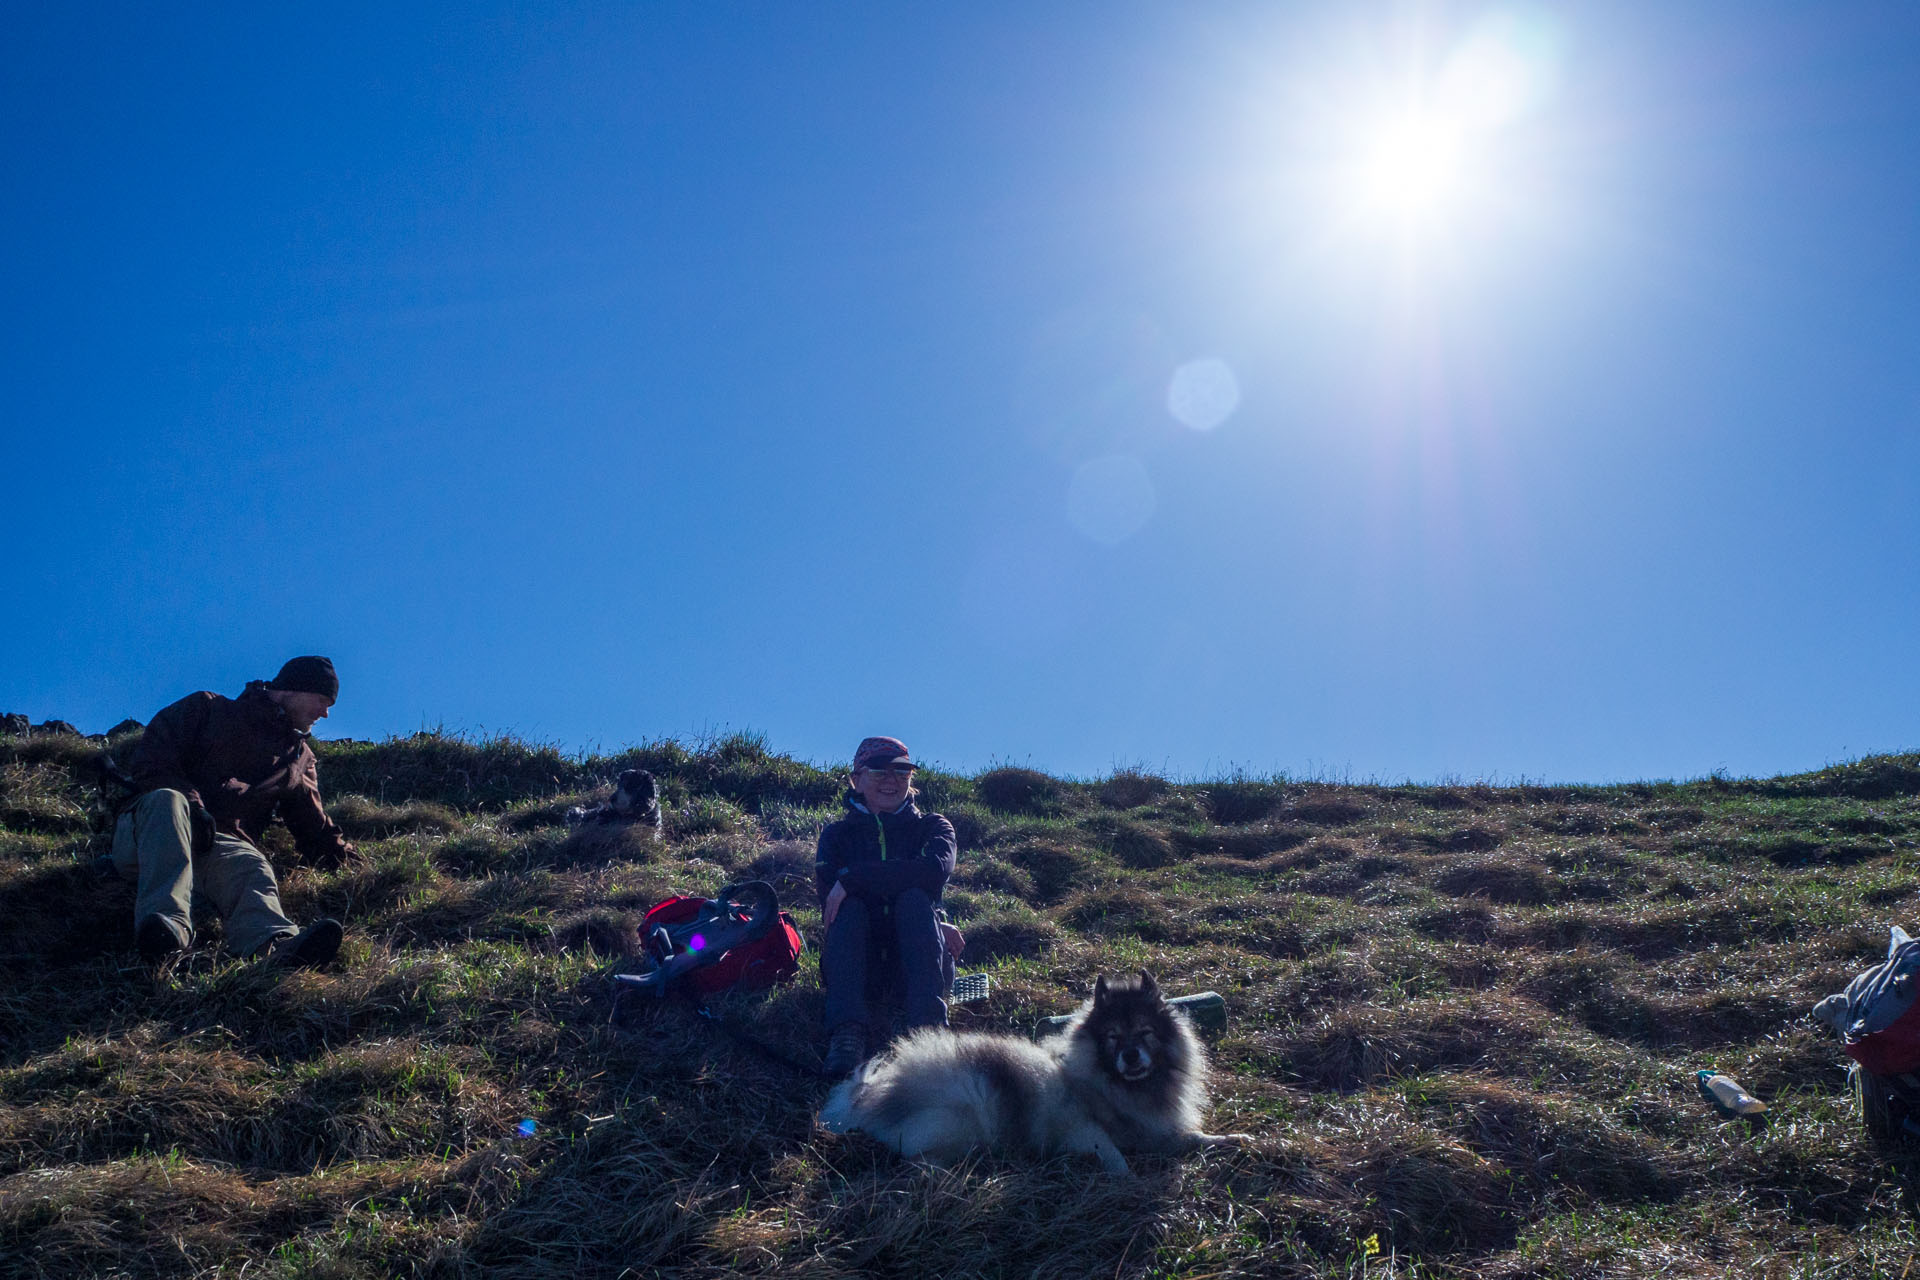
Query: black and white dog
[635,799]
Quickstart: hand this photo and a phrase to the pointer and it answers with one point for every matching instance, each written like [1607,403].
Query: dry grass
[1463,1025]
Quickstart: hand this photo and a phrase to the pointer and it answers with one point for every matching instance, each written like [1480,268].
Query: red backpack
[1878,1015]
[707,945]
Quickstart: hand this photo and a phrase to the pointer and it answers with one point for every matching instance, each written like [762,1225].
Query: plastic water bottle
[1727,1095]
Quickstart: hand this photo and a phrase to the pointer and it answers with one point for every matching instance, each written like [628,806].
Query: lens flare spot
[1203,394]
[1505,68]
[698,942]
[1109,499]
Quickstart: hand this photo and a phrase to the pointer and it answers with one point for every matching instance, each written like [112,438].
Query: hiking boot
[846,1049]
[312,947]
[157,940]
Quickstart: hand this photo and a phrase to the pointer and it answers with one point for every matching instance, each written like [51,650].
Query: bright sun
[1413,172]
[1424,156]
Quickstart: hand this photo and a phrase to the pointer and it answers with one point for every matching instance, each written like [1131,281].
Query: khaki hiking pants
[153,847]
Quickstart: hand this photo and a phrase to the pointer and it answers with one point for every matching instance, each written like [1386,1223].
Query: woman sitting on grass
[879,873]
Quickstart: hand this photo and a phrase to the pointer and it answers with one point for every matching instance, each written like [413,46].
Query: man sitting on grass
[212,773]
[879,873]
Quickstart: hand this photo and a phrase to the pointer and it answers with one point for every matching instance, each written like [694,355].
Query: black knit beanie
[307,675]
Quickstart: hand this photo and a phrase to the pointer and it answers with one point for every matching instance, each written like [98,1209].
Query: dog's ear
[1100,989]
[1148,987]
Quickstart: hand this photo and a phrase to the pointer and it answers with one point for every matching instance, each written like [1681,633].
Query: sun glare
[1423,155]
[1412,171]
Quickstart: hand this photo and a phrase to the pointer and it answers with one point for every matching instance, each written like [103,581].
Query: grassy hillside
[1463,1025]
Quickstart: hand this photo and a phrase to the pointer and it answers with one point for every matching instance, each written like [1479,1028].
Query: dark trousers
[858,930]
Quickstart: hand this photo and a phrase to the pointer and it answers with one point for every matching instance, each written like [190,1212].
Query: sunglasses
[891,771]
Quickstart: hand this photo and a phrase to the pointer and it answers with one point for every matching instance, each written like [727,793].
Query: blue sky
[1396,391]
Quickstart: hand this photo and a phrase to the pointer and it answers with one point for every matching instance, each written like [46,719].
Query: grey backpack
[1876,1016]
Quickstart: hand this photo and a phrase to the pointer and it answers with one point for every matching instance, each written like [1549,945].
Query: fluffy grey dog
[1128,1075]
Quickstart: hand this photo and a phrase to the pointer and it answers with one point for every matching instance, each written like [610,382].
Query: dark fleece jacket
[880,856]
[241,759]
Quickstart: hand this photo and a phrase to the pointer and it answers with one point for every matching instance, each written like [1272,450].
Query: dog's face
[1133,1027]
[635,791]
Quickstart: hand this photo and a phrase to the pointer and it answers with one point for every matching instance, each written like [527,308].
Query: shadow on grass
[63,913]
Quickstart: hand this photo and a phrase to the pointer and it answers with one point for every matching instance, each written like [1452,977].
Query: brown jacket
[241,759]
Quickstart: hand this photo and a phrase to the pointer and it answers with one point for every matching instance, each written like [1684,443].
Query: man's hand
[233,788]
[835,896]
[202,826]
[346,856]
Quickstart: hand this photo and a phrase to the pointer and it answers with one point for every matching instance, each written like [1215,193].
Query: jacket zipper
[886,908]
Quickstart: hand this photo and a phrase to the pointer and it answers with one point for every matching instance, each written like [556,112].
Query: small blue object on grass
[526,1128]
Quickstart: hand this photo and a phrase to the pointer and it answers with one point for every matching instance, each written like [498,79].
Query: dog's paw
[1223,1139]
